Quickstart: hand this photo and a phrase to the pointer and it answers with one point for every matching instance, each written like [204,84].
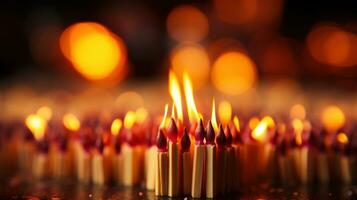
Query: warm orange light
[187,23]
[298,128]
[193,59]
[269,121]
[225,112]
[297,112]
[132,100]
[45,112]
[141,115]
[94,51]
[37,125]
[116,126]
[213,117]
[71,122]
[129,119]
[259,132]
[175,92]
[253,122]
[342,138]
[163,121]
[236,123]
[193,115]
[233,73]
[333,118]
[337,48]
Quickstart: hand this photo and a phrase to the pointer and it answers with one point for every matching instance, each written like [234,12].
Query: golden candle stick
[150,160]
[221,161]
[40,167]
[322,168]
[211,162]
[174,185]
[83,165]
[198,162]
[118,168]
[132,163]
[26,151]
[345,171]
[186,163]
[161,175]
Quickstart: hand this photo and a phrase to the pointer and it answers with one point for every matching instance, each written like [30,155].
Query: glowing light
[193,115]
[187,23]
[259,132]
[175,92]
[337,48]
[132,100]
[45,112]
[225,112]
[163,121]
[116,126]
[269,121]
[37,126]
[298,112]
[233,73]
[342,138]
[71,122]
[213,117]
[332,118]
[129,119]
[141,115]
[253,122]
[192,59]
[236,123]
[94,51]
[298,128]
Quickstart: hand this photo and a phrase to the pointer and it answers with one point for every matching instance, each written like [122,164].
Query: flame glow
[45,112]
[116,126]
[259,133]
[193,115]
[269,121]
[175,92]
[163,121]
[342,138]
[225,112]
[71,122]
[333,118]
[213,117]
[37,125]
[298,111]
[298,128]
[236,123]
[141,115]
[253,122]
[129,119]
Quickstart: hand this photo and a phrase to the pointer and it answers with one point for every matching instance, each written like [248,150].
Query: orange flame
[333,118]
[163,121]
[253,122]
[71,122]
[45,112]
[225,112]
[116,126]
[213,117]
[259,132]
[37,125]
[298,128]
[193,115]
[175,92]
[236,123]
[129,119]
[342,138]
[141,115]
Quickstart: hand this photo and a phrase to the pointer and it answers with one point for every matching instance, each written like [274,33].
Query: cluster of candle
[177,157]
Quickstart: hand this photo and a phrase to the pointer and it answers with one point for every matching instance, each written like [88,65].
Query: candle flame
[175,92]
[253,122]
[213,117]
[342,138]
[163,121]
[116,126]
[71,122]
[141,115]
[129,119]
[297,111]
[298,128]
[225,112]
[333,118]
[259,132]
[236,123]
[193,115]
[45,112]
[269,121]
[37,125]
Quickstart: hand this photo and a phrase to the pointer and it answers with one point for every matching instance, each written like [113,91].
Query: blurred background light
[233,73]
[93,50]
[187,23]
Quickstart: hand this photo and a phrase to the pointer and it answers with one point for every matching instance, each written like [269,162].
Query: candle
[198,161]
[186,163]
[211,164]
[161,180]
[172,133]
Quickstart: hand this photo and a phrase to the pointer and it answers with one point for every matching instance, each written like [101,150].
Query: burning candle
[186,163]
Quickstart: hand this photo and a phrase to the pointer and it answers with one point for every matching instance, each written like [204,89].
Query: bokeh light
[193,59]
[94,51]
[332,118]
[297,112]
[233,73]
[187,23]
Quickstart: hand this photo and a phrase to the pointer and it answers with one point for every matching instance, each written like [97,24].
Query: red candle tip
[172,131]
[161,142]
[200,133]
[228,136]
[210,135]
[221,138]
[185,141]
